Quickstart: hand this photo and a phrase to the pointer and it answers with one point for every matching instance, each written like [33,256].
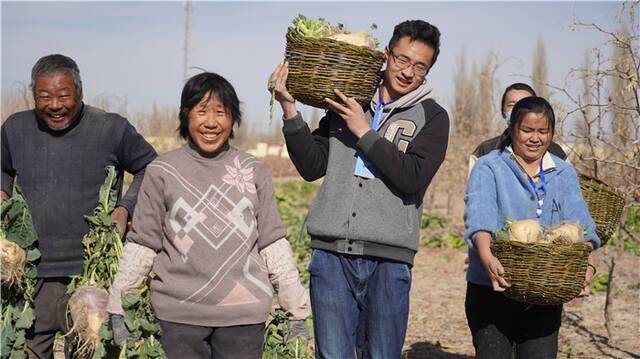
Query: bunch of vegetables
[103,248]
[321,28]
[102,251]
[530,231]
[142,325]
[275,343]
[19,254]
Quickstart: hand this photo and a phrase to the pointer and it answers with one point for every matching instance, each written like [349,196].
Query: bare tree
[540,72]
[18,98]
[607,113]
[472,118]
[483,122]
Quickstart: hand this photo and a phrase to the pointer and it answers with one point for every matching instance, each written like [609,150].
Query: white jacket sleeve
[135,264]
[285,279]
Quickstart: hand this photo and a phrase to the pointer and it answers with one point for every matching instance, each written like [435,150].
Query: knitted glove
[120,331]
[297,328]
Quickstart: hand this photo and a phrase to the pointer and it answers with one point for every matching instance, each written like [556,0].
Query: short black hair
[418,30]
[515,86]
[207,85]
[533,104]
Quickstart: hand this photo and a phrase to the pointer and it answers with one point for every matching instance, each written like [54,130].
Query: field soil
[438,326]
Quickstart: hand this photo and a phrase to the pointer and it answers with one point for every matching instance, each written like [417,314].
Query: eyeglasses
[402,62]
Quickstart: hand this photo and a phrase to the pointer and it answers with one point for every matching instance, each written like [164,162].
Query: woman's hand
[491,264]
[588,275]
[278,84]
[495,272]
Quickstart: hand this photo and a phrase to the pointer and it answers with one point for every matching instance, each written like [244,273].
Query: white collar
[547,161]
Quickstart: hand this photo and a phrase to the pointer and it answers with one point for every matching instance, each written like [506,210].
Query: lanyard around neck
[537,192]
[375,124]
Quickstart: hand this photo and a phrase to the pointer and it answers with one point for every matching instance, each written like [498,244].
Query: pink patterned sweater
[207,218]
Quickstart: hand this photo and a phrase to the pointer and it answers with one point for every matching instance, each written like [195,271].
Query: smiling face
[210,124]
[532,137]
[57,101]
[401,79]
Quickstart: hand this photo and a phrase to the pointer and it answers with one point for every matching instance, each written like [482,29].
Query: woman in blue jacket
[519,180]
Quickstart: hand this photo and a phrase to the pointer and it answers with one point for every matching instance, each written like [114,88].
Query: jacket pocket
[555,213]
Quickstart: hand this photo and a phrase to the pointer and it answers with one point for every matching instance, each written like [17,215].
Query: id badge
[363,168]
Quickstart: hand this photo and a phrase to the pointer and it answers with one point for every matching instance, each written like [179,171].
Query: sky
[134,50]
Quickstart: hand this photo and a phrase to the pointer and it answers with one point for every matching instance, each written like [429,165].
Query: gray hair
[56,64]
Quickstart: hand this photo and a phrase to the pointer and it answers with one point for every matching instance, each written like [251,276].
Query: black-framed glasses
[402,62]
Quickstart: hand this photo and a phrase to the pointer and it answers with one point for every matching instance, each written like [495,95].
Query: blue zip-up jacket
[498,189]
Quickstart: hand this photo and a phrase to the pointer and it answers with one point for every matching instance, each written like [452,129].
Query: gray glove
[120,331]
[297,328]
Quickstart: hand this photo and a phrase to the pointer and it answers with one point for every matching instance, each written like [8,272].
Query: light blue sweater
[499,189]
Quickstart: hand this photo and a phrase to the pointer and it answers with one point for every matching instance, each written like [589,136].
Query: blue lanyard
[537,192]
[375,124]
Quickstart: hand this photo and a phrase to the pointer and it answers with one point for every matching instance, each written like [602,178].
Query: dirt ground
[438,327]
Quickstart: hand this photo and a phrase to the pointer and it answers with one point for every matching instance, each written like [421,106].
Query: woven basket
[541,273]
[317,66]
[605,205]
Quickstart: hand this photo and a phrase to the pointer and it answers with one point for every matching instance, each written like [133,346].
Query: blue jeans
[350,291]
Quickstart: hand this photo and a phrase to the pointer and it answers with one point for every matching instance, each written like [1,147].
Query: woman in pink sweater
[207,224]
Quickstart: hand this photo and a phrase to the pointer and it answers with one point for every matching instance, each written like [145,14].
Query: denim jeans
[350,291]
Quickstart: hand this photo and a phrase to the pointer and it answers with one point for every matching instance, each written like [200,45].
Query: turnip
[87,306]
[360,38]
[525,231]
[18,255]
[13,262]
[565,233]
[102,250]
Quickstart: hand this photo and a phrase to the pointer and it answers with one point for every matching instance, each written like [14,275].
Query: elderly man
[58,152]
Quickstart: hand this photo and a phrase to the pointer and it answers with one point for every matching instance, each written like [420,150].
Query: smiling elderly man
[58,153]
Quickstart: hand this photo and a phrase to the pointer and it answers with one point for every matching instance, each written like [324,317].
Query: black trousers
[504,328]
[193,342]
[50,308]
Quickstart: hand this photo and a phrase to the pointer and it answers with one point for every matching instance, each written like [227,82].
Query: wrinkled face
[512,97]
[532,137]
[58,102]
[404,62]
[210,124]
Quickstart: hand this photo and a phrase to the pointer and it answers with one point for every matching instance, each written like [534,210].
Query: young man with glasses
[364,223]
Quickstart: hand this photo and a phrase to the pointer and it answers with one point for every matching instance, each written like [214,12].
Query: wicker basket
[605,205]
[317,66]
[541,273]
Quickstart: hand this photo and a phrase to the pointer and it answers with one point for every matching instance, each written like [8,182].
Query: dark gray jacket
[380,216]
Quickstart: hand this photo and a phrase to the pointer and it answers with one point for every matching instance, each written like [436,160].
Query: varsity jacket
[380,216]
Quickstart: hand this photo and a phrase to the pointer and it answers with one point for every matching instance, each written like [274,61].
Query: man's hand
[4,196]
[120,216]
[278,84]
[352,113]
[297,328]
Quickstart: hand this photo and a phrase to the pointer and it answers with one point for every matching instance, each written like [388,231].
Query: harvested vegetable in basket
[321,28]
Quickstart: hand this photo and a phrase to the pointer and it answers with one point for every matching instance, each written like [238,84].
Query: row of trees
[597,111]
